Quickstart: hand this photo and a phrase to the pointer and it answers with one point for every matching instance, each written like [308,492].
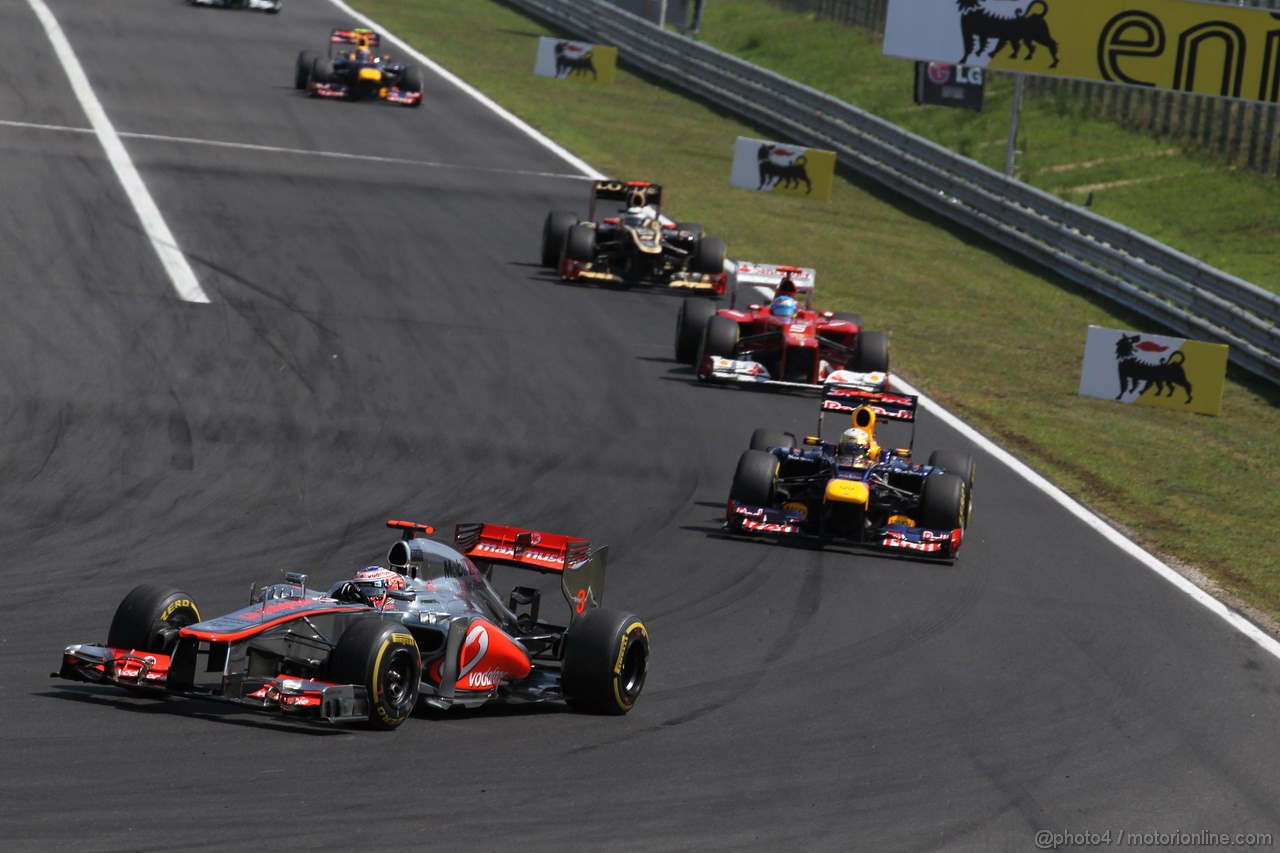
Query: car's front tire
[382,656]
[554,230]
[690,323]
[149,618]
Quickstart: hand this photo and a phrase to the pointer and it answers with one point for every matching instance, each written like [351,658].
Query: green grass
[991,337]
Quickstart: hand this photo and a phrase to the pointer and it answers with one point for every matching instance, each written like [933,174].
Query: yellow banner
[1180,45]
[782,168]
[1154,370]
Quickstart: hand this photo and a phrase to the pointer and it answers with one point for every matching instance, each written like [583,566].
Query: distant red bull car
[353,70]
[431,630]
[781,341]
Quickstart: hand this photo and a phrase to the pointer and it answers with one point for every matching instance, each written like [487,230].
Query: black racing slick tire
[693,229]
[580,243]
[381,656]
[302,71]
[690,323]
[962,465]
[149,618]
[942,502]
[755,479]
[412,80]
[321,70]
[720,337]
[763,439]
[708,257]
[871,352]
[606,659]
[554,230]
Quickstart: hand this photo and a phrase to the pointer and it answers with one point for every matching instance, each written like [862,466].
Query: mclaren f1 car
[353,70]
[627,238]
[853,490]
[431,629]
[782,342]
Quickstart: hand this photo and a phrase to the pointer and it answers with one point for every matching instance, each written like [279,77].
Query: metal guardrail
[1172,288]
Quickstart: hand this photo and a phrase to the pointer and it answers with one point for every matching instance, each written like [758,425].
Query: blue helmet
[784,306]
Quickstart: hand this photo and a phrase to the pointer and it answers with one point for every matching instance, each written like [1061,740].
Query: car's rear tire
[554,229]
[719,337]
[606,659]
[303,69]
[942,502]
[755,480]
[962,465]
[149,617]
[690,324]
[708,257]
[580,243]
[382,656]
[871,353]
[763,439]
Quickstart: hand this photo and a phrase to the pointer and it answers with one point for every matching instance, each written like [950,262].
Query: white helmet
[854,442]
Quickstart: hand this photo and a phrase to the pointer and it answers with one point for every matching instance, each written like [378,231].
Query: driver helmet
[634,216]
[784,306]
[376,580]
[855,443]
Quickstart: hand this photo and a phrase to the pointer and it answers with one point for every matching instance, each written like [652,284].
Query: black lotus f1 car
[353,71]
[367,650]
[853,491]
[271,7]
[627,238]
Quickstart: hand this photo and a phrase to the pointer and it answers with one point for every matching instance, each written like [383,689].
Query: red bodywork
[805,347]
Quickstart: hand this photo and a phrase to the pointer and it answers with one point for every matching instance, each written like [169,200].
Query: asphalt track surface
[380,344]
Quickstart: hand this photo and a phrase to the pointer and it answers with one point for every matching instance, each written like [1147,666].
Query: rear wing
[771,277]
[625,193]
[581,569]
[515,546]
[360,37]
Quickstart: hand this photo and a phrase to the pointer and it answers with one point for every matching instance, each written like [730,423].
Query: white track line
[1240,623]
[153,224]
[484,99]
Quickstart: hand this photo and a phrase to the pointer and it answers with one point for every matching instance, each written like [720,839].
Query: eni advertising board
[1179,45]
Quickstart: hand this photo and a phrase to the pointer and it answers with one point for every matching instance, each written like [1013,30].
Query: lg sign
[949,85]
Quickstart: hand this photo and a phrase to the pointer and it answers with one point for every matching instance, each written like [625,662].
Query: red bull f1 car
[353,70]
[626,238]
[782,342]
[854,490]
[430,629]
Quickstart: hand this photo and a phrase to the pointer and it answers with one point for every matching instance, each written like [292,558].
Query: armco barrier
[1175,290]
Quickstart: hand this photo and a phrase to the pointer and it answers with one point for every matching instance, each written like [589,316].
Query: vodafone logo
[473,650]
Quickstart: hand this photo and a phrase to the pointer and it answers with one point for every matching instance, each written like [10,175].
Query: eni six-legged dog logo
[988,26]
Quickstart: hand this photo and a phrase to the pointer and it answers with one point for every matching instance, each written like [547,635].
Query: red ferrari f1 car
[431,629]
[782,343]
[352,70]
[626,237]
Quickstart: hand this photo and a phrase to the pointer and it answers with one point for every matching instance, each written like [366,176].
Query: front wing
[281,694]
[390,94]
[715,368]
[714,283]
[784,523]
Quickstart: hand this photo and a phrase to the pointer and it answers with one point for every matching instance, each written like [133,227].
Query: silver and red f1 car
[430,629]
[627,238]
[352,70]
[783,342]
[853,490]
